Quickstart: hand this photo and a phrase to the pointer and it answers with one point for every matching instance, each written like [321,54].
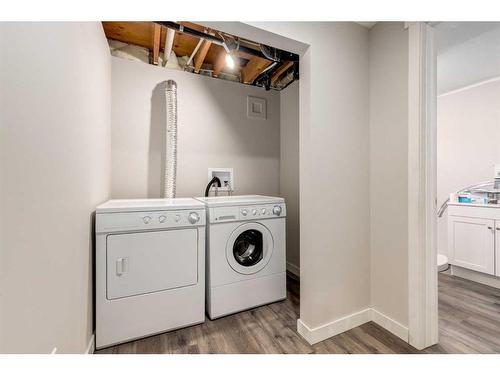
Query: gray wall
[289,171]
[389,169]
[214,131]
[54,170]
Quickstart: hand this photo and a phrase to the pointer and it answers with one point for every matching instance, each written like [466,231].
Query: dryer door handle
[121,266]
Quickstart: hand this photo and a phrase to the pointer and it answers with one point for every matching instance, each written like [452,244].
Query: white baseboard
[477,277]
[315,335]
[390,325]
[292,268]
[91,345]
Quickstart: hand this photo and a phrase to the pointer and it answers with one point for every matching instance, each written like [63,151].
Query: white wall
[468,142]
[334,185]
[465,60]
[389,169]
[214,131]
[54,170]
[334,163]
[289,171]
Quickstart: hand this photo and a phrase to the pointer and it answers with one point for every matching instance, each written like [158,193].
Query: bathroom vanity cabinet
[474,237]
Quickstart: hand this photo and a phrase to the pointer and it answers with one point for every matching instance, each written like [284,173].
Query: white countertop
[129,205]
[239,200]
[474,205]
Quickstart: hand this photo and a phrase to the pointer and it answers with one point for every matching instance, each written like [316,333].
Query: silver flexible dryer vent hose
[170,140]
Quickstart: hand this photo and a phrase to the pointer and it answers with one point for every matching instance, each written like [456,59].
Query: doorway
[451,69]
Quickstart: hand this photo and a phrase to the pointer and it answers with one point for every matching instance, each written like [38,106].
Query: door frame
[422,186]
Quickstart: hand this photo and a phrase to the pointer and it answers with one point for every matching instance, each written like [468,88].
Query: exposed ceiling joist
[219,63]
[156,43]
[200,56]
[249,57]
[282,69]
[245,55]
[253,68]
[137,33]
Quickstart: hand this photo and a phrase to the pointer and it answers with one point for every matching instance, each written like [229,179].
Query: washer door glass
[248,248]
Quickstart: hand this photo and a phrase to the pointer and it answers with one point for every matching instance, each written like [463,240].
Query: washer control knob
[177,217]
[263,211]
[193,217]
[254,212]
[162,218]
[146,219]
[244,212]
[277,210]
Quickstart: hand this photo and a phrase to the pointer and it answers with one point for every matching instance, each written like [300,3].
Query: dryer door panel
[139,263]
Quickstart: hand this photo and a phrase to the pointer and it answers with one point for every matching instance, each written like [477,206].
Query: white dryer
[150,267]
[246,252]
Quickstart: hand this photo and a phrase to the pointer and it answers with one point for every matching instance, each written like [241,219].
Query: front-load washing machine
[150,267]
[246,252]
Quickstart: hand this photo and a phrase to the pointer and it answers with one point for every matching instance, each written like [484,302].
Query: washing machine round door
[249,248]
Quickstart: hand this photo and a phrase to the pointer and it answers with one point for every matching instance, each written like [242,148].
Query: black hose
[212,181]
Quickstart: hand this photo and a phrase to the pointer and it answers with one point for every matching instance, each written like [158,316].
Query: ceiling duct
[270,53]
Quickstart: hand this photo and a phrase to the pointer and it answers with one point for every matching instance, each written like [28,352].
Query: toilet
[442,262]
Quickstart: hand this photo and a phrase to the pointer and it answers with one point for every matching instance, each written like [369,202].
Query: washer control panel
[109,222]
[242,213]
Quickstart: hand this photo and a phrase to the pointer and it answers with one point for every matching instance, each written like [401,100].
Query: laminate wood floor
[469,322]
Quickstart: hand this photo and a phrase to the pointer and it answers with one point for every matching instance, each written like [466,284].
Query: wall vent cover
[256,108]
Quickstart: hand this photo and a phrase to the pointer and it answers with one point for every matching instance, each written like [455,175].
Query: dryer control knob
[244,212]
[146,219]
[254,211]
[162,218]
[277,210]
[193,217]
[263,211]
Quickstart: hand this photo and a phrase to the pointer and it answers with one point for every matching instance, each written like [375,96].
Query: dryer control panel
[126,221]
[243,213]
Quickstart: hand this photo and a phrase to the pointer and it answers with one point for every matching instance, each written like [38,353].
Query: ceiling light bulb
[229,61]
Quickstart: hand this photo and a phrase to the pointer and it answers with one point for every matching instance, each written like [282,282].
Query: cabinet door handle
[497,228]
[490,227]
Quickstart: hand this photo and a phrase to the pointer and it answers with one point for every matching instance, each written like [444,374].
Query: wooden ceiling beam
[152,36]
[136,33]
[253,68]
[200,55]
[156,43]
[245,55]
[282,69]
[219,63]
